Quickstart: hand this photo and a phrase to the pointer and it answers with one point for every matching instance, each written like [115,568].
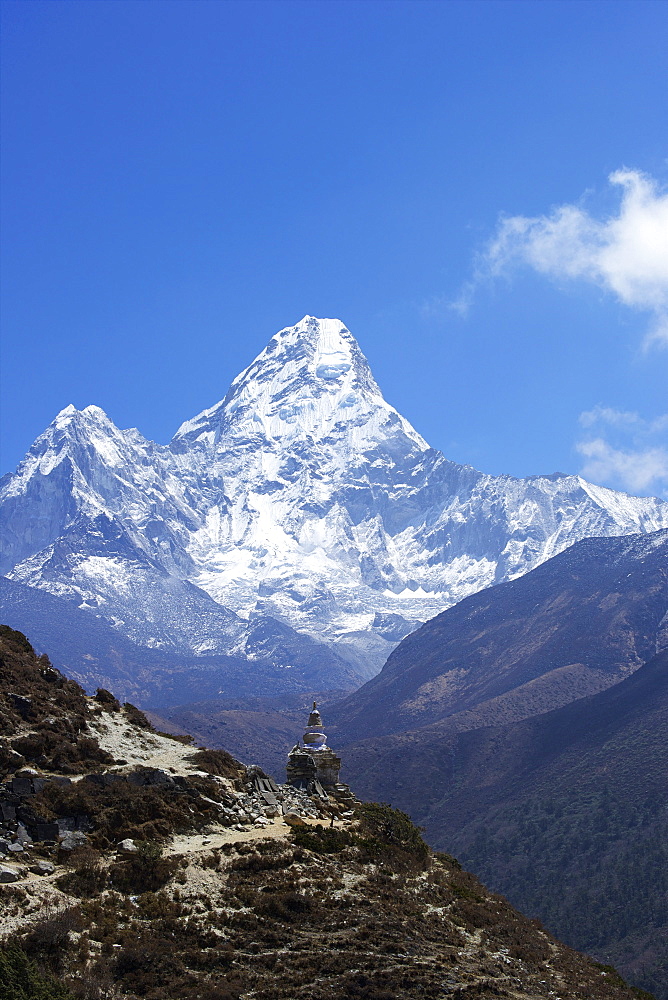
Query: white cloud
[626,254]
[629,455]
[623,418]
[637,471]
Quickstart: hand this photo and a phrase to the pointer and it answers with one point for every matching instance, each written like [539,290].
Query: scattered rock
[127,847]
[8,874]
[16,848]
[73,839]
[292,819]
[43,868]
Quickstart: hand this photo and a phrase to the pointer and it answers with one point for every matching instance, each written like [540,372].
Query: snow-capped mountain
[302,497]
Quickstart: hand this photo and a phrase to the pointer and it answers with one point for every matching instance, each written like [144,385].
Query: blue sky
[478,190]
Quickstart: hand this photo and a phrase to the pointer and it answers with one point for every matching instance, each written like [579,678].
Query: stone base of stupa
[316,771]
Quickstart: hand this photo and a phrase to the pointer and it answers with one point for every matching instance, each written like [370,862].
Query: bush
[217,762]
[49,940]
[390,833]
[136,716]
[62,751]
[20,979]
[145,871]
[122,809]
[288,906]
[87,877]
[322,839]
[107,699]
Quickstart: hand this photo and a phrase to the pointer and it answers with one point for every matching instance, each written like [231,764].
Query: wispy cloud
[626,254]
[627,451]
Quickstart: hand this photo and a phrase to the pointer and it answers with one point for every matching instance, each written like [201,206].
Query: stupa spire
[314,737]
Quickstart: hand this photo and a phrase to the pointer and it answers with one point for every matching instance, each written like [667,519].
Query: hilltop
[140,866]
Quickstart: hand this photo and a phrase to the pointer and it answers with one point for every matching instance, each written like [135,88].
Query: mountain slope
[563,811]
[567,816]
[302,496]
[578,623]
[167,873]
[87,648]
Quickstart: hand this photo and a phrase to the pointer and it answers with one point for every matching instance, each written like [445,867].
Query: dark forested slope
[565,813]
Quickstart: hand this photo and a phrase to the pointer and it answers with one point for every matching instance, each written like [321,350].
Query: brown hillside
[218,897]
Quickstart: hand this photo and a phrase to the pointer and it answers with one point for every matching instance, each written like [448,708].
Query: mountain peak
[89,414]
[320,351]
[327,342]
[310,381]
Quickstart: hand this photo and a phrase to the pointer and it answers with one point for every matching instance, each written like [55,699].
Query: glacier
[302,498]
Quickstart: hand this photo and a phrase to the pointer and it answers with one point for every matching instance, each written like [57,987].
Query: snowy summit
[302,498]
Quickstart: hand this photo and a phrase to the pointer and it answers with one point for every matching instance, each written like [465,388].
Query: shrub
[107,699]
[122,809]
[145,871]
[177,737]
[322,839]
[217,762]
[288,906]
[62,751]
[20,979]
[136,716]
[87,877]
[49,940]
[389,833]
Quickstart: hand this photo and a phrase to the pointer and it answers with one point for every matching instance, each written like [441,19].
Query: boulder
[73,839]
[69,824]
[8,874]
[43,868]
[22,704]
[22,784]
[23,836]
[127,847]
[292,819]
[150,776]
[45,831]
[8,812]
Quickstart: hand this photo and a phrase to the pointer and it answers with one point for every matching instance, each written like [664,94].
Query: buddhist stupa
[314,767]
